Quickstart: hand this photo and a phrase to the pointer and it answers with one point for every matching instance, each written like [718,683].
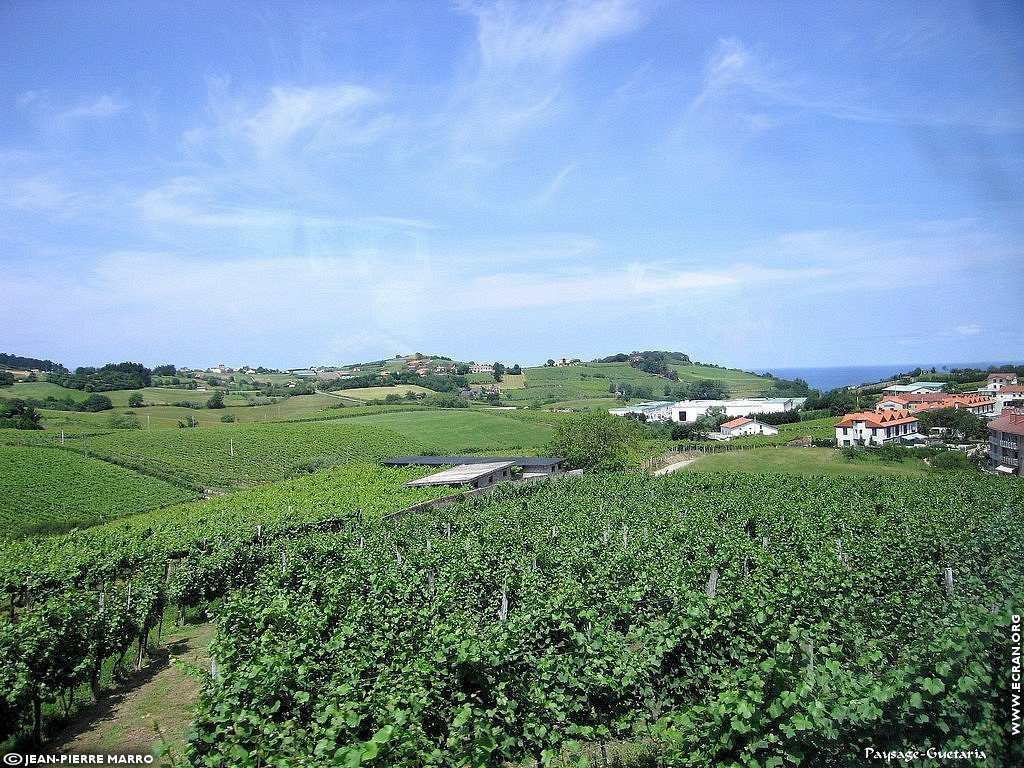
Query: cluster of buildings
[481,471]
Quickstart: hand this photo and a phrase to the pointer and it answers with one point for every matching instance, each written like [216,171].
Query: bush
[952,460]
[95,403]
[228,418]
[135,400]
[16,414]
[595,440]
[125,420]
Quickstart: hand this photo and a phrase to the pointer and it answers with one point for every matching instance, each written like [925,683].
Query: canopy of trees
[17,414]
[110,377]
[595,440]
[28,363]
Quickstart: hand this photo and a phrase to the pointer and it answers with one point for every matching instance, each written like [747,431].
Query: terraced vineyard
[48,490]
[248,454]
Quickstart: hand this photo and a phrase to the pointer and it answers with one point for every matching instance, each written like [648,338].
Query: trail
[153,706]
[672,467]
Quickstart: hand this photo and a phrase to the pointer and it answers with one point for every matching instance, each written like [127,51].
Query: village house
[481,369]
[876,428]
[745,426]
[979,404]
[996,381]
[1006,443]
[563,361]
[1010,396]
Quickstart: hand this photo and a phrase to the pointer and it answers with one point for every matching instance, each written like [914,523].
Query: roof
[1011,422]
[877,418]
[440,461]
[915,387]
[737,422]
[464,473]
[1002,376]
[1012,389]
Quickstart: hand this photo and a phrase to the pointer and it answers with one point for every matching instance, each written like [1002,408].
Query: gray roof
[440,461]
[465,473]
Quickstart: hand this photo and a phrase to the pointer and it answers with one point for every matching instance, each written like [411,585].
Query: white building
[689,411]
[876,428]
[917,387]
[746,426]
[996,381]
[656,410]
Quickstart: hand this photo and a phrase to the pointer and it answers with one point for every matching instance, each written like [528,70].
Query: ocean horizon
[832,377]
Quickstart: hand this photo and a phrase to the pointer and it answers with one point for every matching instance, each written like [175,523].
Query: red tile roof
[877,418]
[736,422]
[1012,423]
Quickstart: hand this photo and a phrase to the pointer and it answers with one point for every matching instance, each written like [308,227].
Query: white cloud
[103,107]
[969,330]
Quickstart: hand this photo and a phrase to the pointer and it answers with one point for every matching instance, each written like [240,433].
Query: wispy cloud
[102,107]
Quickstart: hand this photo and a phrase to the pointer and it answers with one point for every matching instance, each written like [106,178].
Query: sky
[284,184]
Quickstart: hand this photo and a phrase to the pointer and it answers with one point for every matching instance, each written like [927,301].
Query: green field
[263,453]
[801,461]
[47,490]
[379,393]
[461,430]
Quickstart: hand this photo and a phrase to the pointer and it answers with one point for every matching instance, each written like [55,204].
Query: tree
[6,379]
[516,370]
[16,414]
[216,400]
[499,371]
[550,363]
[597,441]
[963,424]
[228,418]
[127,420]
[135,400]
[95,403]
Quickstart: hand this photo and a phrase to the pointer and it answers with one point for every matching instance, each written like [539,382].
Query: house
[876,428]
[977,403]
[1006,443]
[914,388]
[996,381]
[746,426]
[481,369]
[563,361]
[1010,396]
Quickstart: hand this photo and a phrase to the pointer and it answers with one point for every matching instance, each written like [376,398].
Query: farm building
[481,369]
[912,389]
[876,428]
[478,475]
[533,467]
[655,410]
[746,426]
[1006,443]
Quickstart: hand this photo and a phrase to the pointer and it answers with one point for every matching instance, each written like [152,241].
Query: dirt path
[672,467]
[154,705]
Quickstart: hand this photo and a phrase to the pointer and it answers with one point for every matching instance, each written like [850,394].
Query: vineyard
[246,454]
[695,620]
[47,490]
[711,620]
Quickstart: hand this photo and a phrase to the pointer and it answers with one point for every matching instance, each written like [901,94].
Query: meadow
[801,461]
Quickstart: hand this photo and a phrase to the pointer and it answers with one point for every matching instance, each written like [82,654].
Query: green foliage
[216,400]
[228,418]
[6,379]
[135,400]
[17,414]
[112,376]
[963,424]
[47,489]
[596,441]
[953,460]
[126,420]
[95,404]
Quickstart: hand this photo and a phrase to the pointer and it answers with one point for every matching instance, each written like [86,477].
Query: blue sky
[756,184]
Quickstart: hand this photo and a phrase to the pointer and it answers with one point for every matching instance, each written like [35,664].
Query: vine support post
[948,573]
[713,583]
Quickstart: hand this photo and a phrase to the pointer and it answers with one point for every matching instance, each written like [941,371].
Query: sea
[827,378]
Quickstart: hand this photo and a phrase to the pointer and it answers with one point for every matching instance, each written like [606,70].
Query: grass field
[44,490]
[379,393]
[462,430]
[800,461]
